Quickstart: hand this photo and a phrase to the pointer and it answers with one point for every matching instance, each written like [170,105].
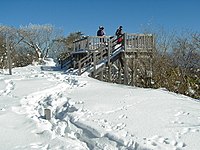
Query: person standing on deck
[101,33]
[119,34]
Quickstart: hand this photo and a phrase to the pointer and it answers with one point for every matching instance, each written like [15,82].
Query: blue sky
[87,15]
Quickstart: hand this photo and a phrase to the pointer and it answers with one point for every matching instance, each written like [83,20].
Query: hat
[101,27]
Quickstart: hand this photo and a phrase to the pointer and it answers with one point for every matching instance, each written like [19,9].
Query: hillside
[90,114]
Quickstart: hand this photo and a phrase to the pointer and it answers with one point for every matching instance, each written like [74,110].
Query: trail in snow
[64,122]
[34,104]
[9,87]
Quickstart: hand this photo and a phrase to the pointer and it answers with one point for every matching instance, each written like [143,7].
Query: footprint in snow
[79,102]
[180,145]
[2,109]
[36,145]
[160,139]
[181,113]
[9,87]
[119,126]
[123,116]
[187,130]
[177,122]
[157,140]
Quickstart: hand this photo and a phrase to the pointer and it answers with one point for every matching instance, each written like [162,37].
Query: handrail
[90,42]
[136,41]
[67,61]
[88,59]
[80,39]
[84,62]
[96,56]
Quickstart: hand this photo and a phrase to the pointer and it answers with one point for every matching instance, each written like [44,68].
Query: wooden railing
[130,41]
[100,49]
[139,41]
[91,60]
[81,44]
[91,43]
[67,62]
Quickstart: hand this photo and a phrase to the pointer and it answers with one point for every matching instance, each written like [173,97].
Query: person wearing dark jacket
[119,34]
[101,33]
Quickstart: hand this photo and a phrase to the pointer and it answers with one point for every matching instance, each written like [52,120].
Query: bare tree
[9,41]
[39,37]
[176,61]
[186,58]
[186,52]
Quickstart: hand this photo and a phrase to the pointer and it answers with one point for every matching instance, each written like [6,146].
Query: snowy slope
[90,114]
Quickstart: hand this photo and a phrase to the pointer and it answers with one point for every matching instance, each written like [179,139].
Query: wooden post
[125,70]
[119,72]
[109,65]
[87,43]
[125,59]
[134,67]
[109,48]
[101,73]
[125,62]
[94,63]
[151,69]
[79,67]
[47,113]
[125,41]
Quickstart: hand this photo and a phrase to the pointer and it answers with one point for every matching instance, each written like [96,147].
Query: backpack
[119,40]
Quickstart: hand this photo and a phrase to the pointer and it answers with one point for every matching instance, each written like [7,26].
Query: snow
[90,114]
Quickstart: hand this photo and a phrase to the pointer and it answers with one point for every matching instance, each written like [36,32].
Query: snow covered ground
[90,114]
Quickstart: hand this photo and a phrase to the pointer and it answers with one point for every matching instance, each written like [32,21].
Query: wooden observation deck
[129,62]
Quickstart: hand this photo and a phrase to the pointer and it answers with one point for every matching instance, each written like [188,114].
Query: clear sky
[87,15]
